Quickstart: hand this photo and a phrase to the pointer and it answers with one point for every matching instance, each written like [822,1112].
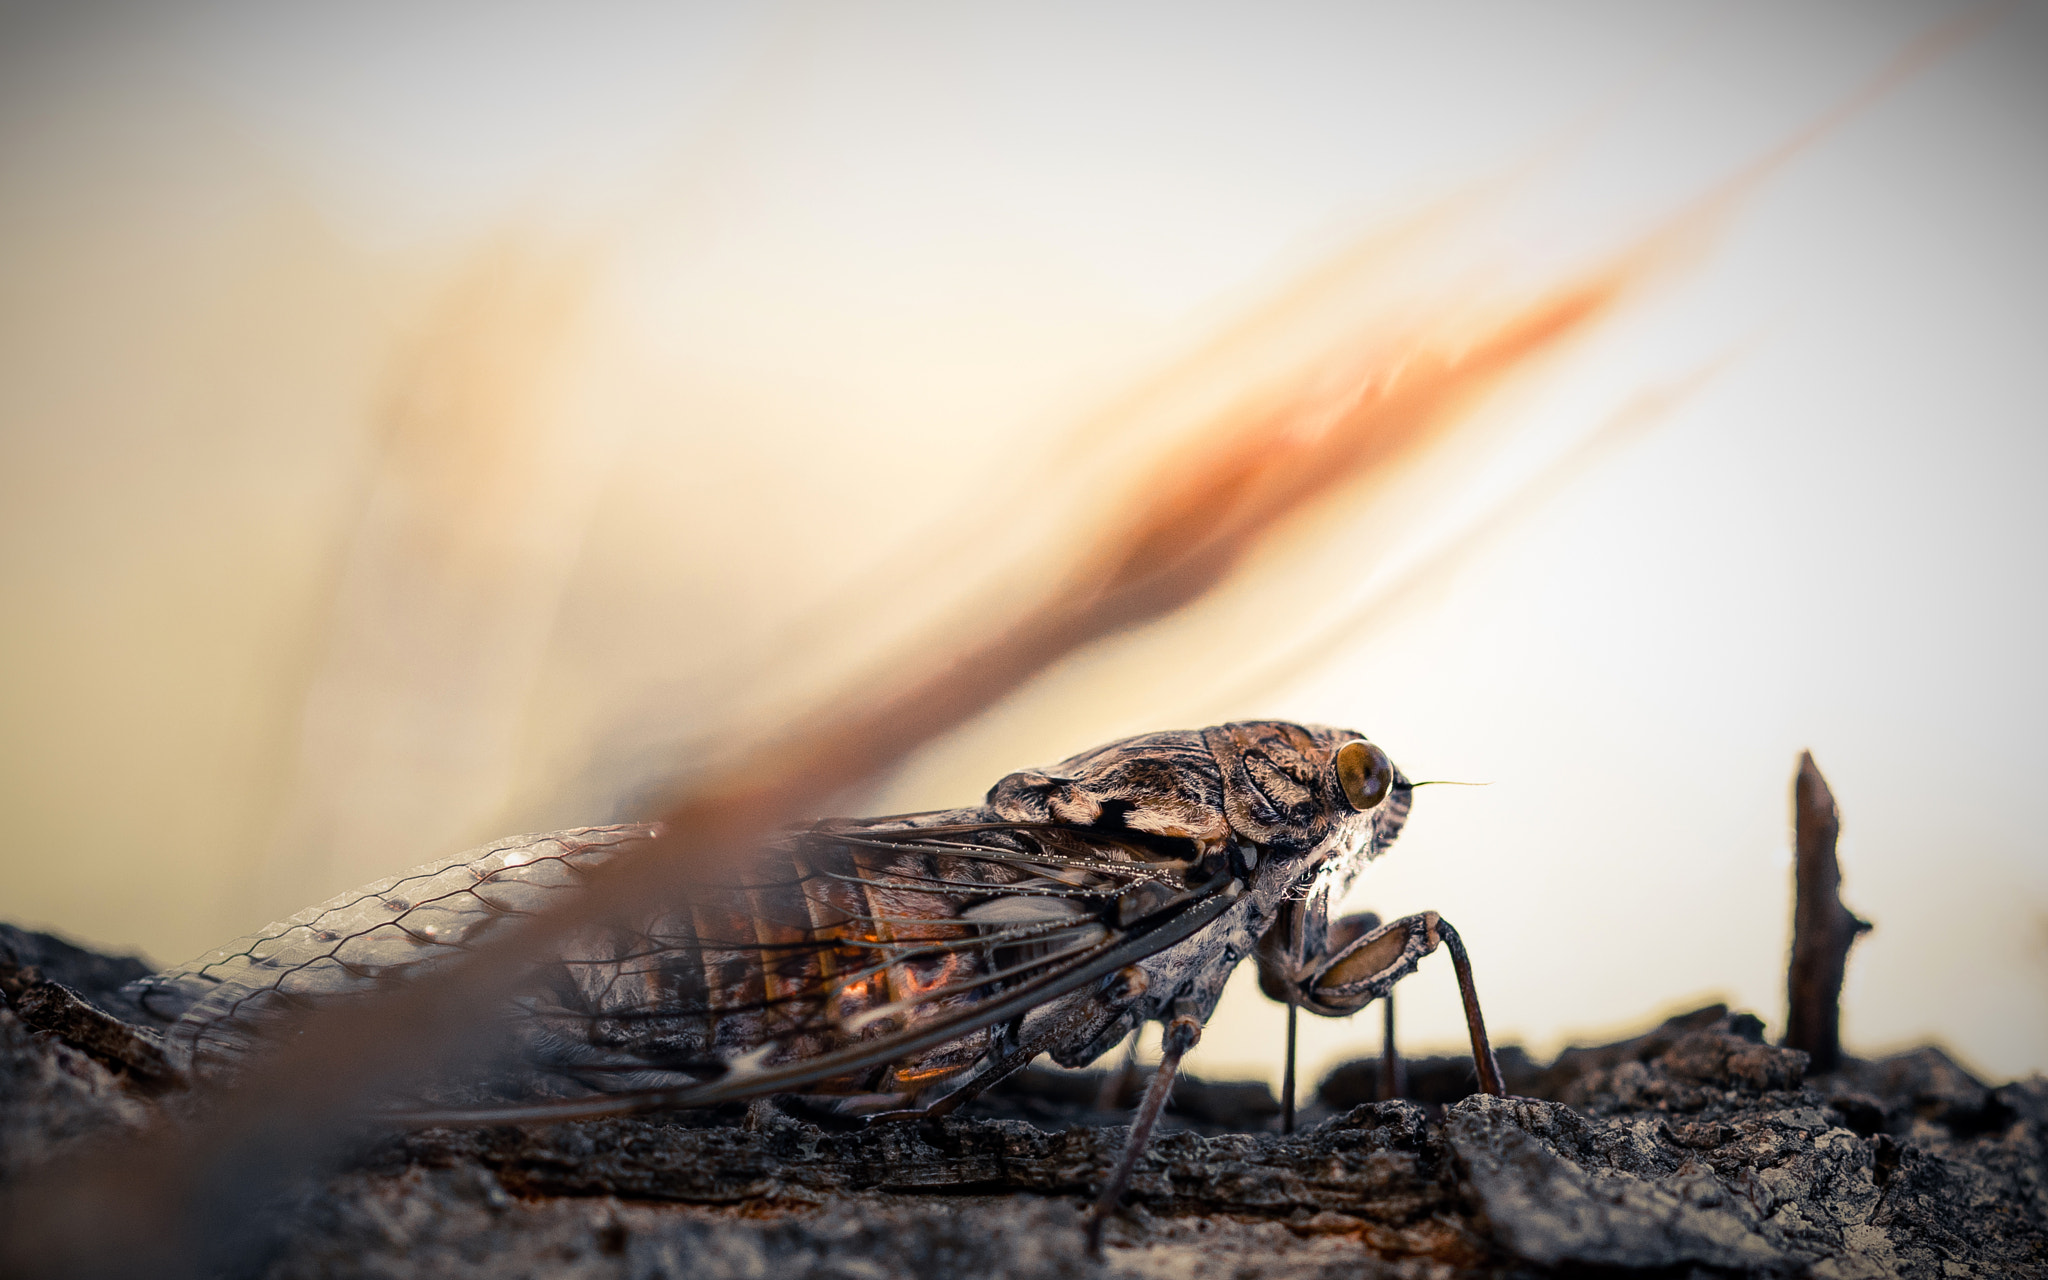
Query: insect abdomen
[822,946]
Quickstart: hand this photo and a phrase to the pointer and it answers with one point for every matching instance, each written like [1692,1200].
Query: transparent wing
[871,956]
[221,1004]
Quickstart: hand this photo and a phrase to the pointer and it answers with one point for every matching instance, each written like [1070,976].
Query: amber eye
[1366,773]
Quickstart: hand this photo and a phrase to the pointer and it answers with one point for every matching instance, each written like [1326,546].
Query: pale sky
[419,423]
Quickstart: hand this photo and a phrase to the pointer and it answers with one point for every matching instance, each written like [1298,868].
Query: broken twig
[1823,929]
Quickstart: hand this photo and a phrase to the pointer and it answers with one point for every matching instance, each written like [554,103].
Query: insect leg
[1117,1081]
[1393,1071]
[1287,1078]
[991,1074]
[931,1111]
[1300,939]
[1475,1024]
[1367,968]
[1181,1035]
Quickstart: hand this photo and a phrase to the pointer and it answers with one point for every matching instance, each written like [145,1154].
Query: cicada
[893,965]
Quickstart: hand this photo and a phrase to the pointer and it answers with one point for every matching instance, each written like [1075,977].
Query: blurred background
[422,423]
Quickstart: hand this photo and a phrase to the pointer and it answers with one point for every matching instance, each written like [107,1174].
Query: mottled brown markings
[860,932]
[776,934]
[1282,794]
[826,922]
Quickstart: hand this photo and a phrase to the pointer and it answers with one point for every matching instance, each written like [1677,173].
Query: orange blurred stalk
[174,1201]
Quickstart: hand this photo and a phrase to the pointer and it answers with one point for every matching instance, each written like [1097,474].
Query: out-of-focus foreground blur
[419,424]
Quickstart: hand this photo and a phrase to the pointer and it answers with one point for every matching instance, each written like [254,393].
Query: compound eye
[1366,774]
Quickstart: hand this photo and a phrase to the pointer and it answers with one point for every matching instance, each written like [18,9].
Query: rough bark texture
[1693,1150]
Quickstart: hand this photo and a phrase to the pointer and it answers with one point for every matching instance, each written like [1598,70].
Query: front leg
[1347,974]
[1302,928]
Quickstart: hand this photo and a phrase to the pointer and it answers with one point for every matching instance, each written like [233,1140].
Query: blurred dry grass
[432,544]
[445,592]
[453,571]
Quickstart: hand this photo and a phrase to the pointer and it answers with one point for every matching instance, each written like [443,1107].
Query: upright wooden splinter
[1823,929]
